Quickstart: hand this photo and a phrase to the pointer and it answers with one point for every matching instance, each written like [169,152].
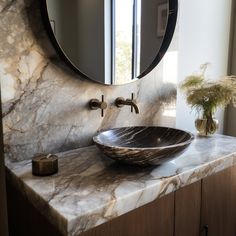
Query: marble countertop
[91,189]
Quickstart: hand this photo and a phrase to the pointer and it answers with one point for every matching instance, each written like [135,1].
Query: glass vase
[206,126]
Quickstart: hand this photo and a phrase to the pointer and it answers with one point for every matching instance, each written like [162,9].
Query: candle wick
[48,156]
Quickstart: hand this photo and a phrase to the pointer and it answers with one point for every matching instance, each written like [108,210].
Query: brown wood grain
[188,210]
[219,203]
[153,219]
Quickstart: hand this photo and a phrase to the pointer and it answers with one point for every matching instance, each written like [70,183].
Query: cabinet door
[219,204]
[153,219]
[188,210]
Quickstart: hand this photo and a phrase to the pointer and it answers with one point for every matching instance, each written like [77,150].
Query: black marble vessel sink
[143,145]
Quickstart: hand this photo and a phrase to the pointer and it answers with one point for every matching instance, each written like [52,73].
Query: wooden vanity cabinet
[153,219]
[218,211]
[207,207]
[204,208]
[188,210]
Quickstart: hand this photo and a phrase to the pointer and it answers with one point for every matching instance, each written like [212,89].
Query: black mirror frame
[170,29]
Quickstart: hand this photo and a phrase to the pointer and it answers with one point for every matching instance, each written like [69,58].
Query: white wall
[204,29]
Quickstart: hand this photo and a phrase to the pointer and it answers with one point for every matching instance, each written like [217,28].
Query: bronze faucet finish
[95,104]
[120,102]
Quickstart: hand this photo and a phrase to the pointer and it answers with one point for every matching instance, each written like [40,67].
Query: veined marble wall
[45,104]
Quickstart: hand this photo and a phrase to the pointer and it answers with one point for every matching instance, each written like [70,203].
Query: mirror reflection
[109,41]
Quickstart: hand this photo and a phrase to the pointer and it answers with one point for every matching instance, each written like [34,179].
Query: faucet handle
[95,104]
[132,99]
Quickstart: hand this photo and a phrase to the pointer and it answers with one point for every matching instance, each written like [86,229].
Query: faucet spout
[133,104]
[120,102]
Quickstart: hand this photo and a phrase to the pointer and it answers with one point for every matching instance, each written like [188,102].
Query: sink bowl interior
[143,137]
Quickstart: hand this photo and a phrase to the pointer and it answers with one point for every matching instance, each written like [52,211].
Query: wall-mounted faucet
[95,104]
[120,102]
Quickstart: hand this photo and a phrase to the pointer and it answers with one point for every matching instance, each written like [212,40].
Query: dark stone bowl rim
[191,138]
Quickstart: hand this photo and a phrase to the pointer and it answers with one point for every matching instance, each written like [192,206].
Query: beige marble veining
[45,103]
[90,189]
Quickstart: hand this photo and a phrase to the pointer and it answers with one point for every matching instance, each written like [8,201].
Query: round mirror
[111,41]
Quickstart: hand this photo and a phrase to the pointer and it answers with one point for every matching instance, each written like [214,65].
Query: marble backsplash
[45,104]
